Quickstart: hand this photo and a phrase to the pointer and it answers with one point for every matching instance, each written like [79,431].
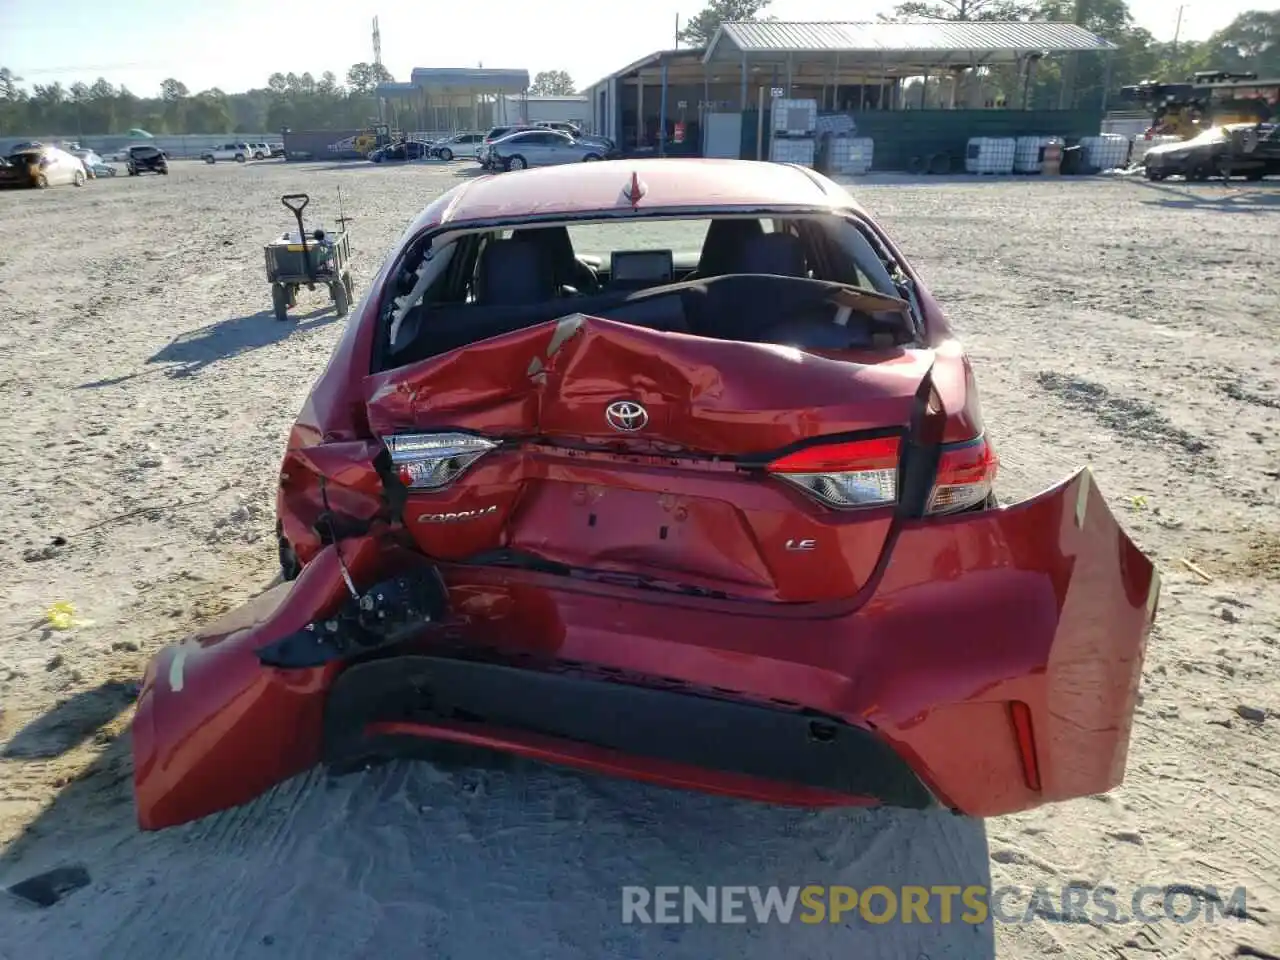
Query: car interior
[790,282]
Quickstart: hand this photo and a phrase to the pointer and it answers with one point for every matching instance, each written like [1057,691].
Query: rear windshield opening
[762,279]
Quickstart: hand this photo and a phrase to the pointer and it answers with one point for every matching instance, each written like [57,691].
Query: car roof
[579,189]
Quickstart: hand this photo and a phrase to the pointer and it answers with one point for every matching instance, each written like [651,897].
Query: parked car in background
[277,149]
[94,165]
[542,148]
[401,151]
[239,152]
[41,166]
[259,151]
[145,158]
[497,133]
[1249,150]
[461,145]
[573,130]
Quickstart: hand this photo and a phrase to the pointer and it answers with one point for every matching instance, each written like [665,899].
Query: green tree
[1249,42]
[207,112]
[702,27]
[9,89]
[964,10]
[328,85]
[552,83]
[363,78]
[50,94]
[173,90]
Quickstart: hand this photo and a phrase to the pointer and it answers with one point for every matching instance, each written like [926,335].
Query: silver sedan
[542,148]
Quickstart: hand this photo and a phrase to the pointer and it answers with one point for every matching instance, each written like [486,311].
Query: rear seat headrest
[781,254]
[515,273]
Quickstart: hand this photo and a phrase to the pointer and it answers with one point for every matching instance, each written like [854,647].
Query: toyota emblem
[627,417]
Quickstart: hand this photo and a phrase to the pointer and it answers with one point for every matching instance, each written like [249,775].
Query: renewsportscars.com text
[813,904]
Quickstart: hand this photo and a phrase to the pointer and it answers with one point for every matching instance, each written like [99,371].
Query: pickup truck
[239,152]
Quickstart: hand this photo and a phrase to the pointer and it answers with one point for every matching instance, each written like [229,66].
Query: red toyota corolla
[674,470]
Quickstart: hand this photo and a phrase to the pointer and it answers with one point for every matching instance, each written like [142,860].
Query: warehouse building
[866,77]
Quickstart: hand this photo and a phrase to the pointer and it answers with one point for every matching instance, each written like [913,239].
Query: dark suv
[147,159]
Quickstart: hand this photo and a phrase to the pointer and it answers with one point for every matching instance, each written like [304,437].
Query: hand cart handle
[297,208]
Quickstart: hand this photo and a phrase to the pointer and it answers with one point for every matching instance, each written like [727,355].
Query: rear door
[522,144]
[563,148]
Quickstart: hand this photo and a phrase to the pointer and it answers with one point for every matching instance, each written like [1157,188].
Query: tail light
[429,461]
[860,473]
[966,472]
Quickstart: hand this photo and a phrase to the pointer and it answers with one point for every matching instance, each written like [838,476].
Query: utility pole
[677,46]
[1177,31]
[377,62]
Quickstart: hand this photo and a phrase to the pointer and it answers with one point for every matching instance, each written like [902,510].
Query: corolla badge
[626,416]
[458,515]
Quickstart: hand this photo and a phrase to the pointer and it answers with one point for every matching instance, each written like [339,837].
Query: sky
[237,44]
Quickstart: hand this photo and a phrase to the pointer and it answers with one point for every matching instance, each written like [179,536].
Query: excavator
[1207,99]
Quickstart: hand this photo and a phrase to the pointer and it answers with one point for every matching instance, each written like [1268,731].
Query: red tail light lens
[859,473]
[966,473]
[429,461]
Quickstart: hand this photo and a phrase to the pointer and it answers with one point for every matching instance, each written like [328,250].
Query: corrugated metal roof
[772,36]
[671,56]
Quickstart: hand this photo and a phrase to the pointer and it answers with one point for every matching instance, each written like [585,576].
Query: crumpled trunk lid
[672,499]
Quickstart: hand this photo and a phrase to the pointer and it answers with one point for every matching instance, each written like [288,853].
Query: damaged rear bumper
[390,706]
[993,665]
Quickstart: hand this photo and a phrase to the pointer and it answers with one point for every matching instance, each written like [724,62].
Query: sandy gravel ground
[145,393]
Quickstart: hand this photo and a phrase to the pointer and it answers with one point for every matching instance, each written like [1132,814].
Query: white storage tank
[792,150]
[1028,155]
[796,118]
[1110,151]
[990,155]
[852,155]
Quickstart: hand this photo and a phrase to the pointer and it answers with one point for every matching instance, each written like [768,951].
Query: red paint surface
[971,613]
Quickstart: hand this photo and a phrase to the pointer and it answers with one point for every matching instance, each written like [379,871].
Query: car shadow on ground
[71,723]
[189,353]
[495,830]
[1237,196]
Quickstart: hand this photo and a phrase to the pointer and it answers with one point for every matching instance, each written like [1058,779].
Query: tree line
[299,101]
[303,102]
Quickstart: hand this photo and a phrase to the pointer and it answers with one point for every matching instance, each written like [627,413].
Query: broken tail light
[429,461]
[858,473]
[966,473]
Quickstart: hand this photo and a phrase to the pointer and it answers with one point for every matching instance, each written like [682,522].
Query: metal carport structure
[448,99]
[831,55]
[850,67]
